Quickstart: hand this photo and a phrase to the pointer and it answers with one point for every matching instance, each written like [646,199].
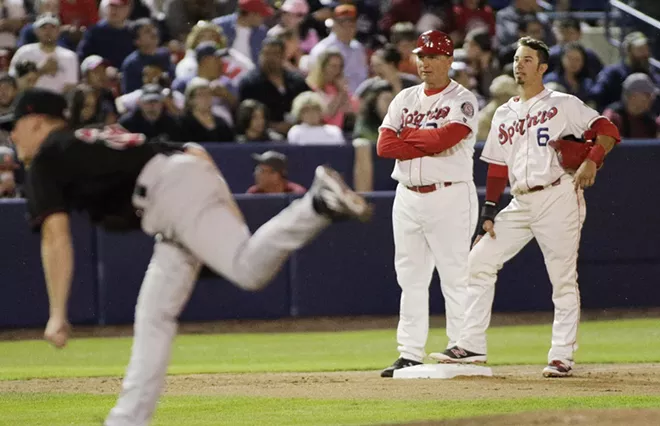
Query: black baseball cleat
[398,364]
[458,355]
[334,199]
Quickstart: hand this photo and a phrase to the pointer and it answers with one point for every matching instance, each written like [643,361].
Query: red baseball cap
[256,6]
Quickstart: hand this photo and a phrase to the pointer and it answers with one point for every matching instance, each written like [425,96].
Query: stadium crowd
[297,71]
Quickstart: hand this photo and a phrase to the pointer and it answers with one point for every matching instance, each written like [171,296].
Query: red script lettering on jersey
[415,118]
[506,134]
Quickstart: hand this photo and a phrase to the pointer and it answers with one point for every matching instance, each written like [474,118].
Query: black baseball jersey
[92,170]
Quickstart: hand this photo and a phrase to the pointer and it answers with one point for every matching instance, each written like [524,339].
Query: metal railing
[620,8]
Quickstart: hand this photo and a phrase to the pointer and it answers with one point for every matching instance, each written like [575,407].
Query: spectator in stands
[404,37]
[633,115]
[308,112]
[151,118]
[94,73]
[461,73]
[236,64]
[567,31]
[13,16]
[292,53]
[271,175]
[27,74]
[530,26]
[401,13]
[110,38]
[147,40]
[181,15]
[472,15]
[28,36]
[572,73]
[372,111]
[292,15]
[7,179]
[152,74]
[198,123]
[8,92]
[384,64]
[85,110]
[327,79]
[251,123]
[607,88]
[508,22]
[502,88]
[59,71]
[342,38]
[245,29]
[481,58]
[272,85]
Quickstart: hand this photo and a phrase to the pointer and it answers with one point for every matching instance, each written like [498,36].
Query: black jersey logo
[114,136]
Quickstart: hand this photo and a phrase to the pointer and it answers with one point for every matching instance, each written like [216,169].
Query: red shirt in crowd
[80,13]
[466,19]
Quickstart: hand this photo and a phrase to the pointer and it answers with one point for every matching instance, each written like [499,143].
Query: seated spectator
[607,87]
[14,17]
[471,15]
[152,74]
[271,175]
[245,29]
[110,38]
[509,19]
[308,111]
[146,40]
[327,79]
[251,123]
[8,92]
[198,123]
[59,71]
[384,64]
[151,118]
[94,73]
[181,15]
[529,26]
[69,34]
[501,89]
[372,111]
[572,72]
[567,31]
[272,85]
[342,38]
[235,63]
[292,15]
[482,60]
[293,56]
[633,115]
[404,37]
[85,110]
[26,74]
[7,181]
[461,73]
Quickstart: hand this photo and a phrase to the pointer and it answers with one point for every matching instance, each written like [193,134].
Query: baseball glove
[571,151]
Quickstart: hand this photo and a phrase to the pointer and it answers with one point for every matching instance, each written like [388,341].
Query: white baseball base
[442,371]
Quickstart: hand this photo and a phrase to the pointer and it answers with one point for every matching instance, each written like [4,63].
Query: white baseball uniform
[545,206]
[433,229]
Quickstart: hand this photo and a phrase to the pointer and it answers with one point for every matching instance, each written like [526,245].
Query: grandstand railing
[618,7]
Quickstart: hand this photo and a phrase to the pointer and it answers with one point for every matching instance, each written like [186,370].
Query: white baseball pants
[190,209]
[554,216]
[432,230]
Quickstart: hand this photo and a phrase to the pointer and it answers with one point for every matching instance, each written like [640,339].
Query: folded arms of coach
[415,143]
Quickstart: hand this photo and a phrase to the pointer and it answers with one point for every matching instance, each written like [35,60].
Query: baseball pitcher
[172,192]
[549,146]
[430,130]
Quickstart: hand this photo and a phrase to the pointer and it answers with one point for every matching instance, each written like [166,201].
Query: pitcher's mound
[614,417]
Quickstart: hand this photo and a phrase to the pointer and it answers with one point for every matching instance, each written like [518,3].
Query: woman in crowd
[372,111]
[198,123]
[292,17]
[327,79]
[251,123]
[308,111]
[572,72]
[86,111]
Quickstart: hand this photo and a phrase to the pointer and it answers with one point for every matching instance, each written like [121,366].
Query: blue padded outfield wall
[349,269]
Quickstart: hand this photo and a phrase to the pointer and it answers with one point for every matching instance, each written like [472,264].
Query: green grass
[600,342]
[79,410]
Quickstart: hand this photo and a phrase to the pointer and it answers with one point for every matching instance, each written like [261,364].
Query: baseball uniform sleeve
[464,111]
[579,116]
[492,152]
[45,195]
[392,119]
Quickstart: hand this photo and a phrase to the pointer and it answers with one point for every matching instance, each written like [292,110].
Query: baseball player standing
[548,202]
[172,192]
[430,130]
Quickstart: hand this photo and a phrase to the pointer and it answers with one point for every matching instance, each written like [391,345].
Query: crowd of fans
[301,71]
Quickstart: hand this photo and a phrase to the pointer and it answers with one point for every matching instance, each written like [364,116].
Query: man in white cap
[58,67]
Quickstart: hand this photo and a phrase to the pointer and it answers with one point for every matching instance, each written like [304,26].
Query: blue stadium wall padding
[237,165]
[24,300]
[124,259]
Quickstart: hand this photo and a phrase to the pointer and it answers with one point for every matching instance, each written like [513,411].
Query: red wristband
[597,154]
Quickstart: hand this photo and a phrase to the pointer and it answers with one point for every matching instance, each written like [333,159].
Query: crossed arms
[415,143]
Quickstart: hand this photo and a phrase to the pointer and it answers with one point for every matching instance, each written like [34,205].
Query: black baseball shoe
[398,364]
[458,355]
[333,198]
[558,368]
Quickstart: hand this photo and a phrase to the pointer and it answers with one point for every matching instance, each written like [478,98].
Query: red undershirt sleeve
[390,146]
[496,181]
[435,141]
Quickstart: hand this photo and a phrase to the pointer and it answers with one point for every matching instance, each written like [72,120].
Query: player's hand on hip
[489,227]
[585,175]
[57,331]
